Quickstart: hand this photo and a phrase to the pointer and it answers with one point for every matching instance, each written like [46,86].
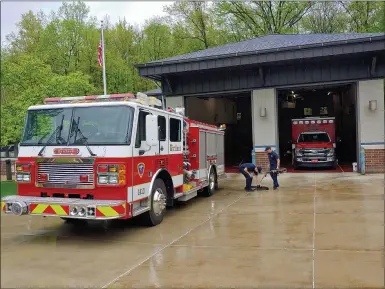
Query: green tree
[325,17]
[258,18]
[192,20]
[157,40]
[30,28]
[73,84]
[365,16]
[23,84]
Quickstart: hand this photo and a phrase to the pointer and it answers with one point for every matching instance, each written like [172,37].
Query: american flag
[100,52]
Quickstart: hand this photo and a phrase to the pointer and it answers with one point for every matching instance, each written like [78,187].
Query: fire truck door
[175,162]
[143,160]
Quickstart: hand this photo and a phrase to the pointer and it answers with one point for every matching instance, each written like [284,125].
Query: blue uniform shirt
[249,166]
[273,157]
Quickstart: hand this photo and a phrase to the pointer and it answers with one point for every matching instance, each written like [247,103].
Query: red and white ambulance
[313,142]
[112,157]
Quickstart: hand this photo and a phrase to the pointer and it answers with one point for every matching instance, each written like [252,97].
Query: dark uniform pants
[249,179]
[274,176]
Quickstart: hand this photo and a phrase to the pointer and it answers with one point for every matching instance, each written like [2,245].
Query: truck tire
[295,166]
[158,204]
[211,188]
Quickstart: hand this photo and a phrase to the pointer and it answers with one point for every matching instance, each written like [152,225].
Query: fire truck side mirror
[152,130]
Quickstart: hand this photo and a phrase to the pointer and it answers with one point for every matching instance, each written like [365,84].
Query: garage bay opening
[317,127]
[233,110]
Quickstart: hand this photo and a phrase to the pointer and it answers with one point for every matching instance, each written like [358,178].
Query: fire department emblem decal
[141,169]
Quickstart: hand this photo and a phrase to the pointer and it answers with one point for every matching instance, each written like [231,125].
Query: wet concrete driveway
[317,230]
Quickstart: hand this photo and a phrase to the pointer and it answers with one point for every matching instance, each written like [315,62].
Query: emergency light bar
[140,98]
[313,120]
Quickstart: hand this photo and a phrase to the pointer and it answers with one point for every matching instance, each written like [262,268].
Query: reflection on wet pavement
[317,230]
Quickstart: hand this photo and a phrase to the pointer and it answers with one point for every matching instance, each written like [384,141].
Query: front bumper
[64,207]
[315,165]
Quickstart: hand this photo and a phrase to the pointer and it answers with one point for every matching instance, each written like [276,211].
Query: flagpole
[104,64]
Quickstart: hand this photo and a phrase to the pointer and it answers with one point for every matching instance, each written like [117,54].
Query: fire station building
[257,86]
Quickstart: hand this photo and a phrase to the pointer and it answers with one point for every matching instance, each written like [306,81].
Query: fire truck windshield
[314,137]
[94,125]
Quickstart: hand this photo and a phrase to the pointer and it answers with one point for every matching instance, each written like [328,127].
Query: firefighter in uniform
[247,169]
[274,162]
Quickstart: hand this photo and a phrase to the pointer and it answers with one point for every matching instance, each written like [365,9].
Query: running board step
[139,211]
[183,197]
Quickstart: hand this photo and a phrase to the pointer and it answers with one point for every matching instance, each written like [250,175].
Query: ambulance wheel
[211,188]
[158,204]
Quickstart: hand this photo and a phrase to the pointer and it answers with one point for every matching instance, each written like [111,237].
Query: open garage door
[234,110]
[319,103]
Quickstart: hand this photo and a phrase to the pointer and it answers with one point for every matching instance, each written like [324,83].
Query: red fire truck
[112,157]
[313,142]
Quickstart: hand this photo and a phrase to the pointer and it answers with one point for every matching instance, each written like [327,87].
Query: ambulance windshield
[95,125]
[314,137]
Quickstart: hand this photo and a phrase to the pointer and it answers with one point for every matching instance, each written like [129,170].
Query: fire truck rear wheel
[158,204]
[211,188]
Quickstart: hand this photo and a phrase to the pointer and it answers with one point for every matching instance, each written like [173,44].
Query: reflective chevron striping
[39,209]
[63,210]
[59,210]
[107,211]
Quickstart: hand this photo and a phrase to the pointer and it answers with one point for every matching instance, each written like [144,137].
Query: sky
[135,12]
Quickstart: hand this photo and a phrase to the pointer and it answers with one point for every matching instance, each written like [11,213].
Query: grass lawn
[8,188]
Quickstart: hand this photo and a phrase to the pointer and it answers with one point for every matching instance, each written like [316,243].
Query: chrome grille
[65,174]
[314,154]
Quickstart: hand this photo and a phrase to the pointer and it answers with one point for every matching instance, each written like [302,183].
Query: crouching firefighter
[247,170]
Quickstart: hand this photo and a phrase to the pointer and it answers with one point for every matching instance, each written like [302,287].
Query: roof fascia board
[259,58]
[289,48]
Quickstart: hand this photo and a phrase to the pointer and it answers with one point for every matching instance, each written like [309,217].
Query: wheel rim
[159,202]
[212,181]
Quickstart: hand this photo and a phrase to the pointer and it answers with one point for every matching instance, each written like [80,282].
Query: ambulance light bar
[313,122]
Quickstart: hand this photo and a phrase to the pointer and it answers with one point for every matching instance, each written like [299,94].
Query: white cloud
[135,12]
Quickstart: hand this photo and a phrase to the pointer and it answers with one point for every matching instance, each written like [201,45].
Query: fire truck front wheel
[158,204]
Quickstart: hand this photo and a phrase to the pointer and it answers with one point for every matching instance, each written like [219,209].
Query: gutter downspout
[163,106]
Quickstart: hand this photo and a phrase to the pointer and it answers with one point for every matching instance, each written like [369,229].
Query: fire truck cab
[112,157]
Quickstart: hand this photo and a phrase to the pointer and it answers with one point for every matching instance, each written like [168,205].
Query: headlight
[23,178]
[330,152]
[78,211]
[82,212]
[298,152]
[113,180]
[23,172]
[111,174]
[103,179]
[74,211]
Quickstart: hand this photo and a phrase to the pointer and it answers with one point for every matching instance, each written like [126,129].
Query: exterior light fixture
[373,105]
[262,112]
